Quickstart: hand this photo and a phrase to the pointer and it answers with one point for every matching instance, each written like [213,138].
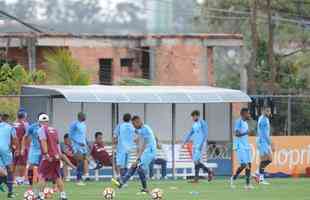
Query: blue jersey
[7,132]
[146,133]
[263,130]
[198,133]
[124,133]
[77,132]
[242,127]
[35,147]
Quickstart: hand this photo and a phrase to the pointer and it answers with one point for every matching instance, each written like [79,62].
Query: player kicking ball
[243,149]
[146,154]
[264,145]
[49,169]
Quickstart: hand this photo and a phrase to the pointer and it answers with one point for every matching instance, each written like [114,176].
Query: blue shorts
[80,150]
[122,159]
[146,158]
[6,158]
[34,159]
[244,156]
[264,149]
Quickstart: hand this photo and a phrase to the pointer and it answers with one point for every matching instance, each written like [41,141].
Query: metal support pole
[204,111]
[82,107]
[145,112]
[173,110]
[113,109]
[289,115]
[231,136]
[117,114]
[51,110]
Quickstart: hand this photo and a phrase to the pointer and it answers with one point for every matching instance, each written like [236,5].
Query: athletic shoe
[80,183]
[264,182]
[11,195]
[2,188]
[249,187]
[145,191]
[63,196]
[232,182]
[256,178]
[210,175]
[116,183]
[194,181]
[67,179]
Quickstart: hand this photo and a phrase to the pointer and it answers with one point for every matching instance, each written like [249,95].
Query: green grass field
[280,189]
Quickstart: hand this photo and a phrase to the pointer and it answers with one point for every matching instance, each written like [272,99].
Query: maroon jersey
[100,154]
[51,136]
[68,151]
[21,127]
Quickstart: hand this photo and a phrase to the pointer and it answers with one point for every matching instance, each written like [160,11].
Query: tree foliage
[135,82]
[64,69]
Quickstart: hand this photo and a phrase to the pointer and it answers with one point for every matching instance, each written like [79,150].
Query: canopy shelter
[165,108]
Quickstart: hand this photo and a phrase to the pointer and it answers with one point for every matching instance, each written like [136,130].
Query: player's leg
[147,157]
[248,176]
[124,179]
[265,160]
[61,188]
[151,169]
[243,164]
[3,175]
[141,172]
[163,165]
[122,162]
[7,162]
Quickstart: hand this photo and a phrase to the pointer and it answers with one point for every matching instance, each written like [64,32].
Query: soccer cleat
[11,195]
[145,191]
[210,175]
[2,188]
[232,183]
[194,181]
[264,182]
[116,183]
[80,183]
[63,196]
[249,187]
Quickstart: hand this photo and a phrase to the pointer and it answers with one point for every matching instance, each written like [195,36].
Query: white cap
[43,118]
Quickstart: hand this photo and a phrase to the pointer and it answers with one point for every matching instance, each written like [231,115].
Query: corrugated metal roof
[142,94]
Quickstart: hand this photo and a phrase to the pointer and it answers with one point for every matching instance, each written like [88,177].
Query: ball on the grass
[48,193]
[29,195]
[157,194]
[108,193]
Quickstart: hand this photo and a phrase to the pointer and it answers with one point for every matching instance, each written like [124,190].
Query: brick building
[165,59]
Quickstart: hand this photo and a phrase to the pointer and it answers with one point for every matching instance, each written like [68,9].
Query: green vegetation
[280,189]
[63,69]
[135,82]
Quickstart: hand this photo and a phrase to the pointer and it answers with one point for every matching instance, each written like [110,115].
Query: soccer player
[67,150]
[146,154]
[124,135]
[77,134]
[8,141]
[242,147]
[99,153]
[20,158]
[264,144]
[198,135]
[49,169]
[34,155]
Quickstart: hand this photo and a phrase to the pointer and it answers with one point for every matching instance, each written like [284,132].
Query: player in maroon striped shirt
[49,169]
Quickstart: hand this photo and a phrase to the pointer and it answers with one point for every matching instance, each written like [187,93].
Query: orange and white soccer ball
[48,193]
[157,194]
[108,193]
[29,195]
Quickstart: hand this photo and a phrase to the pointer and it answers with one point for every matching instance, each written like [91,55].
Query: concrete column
[152,66]
[210,67]
[31,50]
[243,72]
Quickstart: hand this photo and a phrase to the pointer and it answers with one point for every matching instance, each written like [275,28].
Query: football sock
[123,171]
[248,174]
[128,175]
[142,177]
[263,165]
[79,170]
[10,181]
[30,176]
[238,172]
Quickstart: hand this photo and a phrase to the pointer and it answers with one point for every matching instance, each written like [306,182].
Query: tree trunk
[252,87]
[270,48]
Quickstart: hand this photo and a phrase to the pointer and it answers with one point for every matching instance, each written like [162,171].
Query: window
[126,62]
[105,71]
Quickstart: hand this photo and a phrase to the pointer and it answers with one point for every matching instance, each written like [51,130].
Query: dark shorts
[50,171]
[21,159]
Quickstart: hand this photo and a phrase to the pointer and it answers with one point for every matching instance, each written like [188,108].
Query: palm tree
[64,69]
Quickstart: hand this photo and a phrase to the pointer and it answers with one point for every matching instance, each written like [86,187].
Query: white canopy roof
[140,94]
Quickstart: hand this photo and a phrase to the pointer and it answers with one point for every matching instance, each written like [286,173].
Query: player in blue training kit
[34,155]
[146,155]
[242,147]
[124,136]
[77,135]
[8,140]
[264,144]
[198,135]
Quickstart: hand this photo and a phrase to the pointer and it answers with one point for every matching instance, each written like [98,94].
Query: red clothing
[21,127]
[100,154]
[50,171]
[68,151]
[51,136]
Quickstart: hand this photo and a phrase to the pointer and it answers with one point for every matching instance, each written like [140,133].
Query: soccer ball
[157,194]
[29,195]
[108,193]
[48,193]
